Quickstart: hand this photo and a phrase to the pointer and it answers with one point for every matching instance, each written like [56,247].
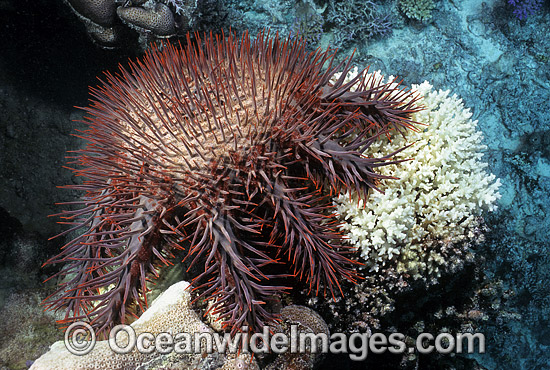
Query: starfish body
[229,149]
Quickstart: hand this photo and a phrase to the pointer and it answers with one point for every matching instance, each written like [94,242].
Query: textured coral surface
[441,190]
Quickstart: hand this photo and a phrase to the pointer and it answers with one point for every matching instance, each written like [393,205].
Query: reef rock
[170,313]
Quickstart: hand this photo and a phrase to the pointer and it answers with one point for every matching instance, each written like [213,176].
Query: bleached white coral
[440,193]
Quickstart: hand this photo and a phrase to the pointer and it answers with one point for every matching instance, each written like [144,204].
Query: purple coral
[525,8]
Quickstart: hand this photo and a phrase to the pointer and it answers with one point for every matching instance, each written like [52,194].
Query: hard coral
[303,321]
[226,150]
[170,313]
[417,9]
[423,221]
[525,8]
[152,19]
[157,18]
[357,20]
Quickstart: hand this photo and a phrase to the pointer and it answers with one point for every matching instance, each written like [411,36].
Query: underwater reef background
[494,55]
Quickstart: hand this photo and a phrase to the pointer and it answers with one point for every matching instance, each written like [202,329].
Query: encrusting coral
[101,12]
[157,18]
[170,313]
[152,19]
[421,222]
[229,151]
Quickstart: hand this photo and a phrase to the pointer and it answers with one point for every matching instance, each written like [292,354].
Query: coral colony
[106,20]
[423,223]
[230,150]
[171,312]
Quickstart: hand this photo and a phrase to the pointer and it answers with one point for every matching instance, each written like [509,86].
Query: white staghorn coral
[436,200]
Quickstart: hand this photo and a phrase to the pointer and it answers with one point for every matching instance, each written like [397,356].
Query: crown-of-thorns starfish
[229,149]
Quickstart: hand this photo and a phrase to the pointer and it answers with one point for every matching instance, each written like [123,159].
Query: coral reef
[27,331]
[104,19]
[524,263]
[476,49]
[226,151]
[100,12]
[308,25]
[461,302]
[493,64]
[19,257]
[170,313]
[306,321]
[454,306]
[418,237]
[157,18]
[180,6]
[421,223]
[356,21]
[417,9]
[525,8]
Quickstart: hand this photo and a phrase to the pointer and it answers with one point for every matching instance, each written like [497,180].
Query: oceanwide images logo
[80,340]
